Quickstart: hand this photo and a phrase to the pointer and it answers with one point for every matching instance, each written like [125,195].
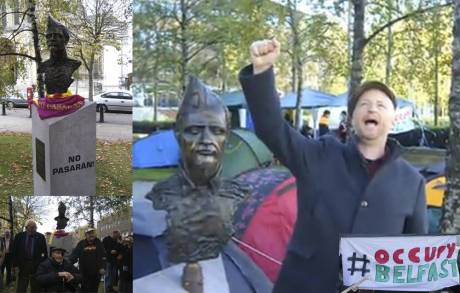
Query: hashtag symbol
[354,260]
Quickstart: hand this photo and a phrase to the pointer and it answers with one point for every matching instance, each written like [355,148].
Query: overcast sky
[50,211]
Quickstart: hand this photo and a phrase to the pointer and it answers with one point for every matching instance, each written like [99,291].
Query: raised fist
[264,54]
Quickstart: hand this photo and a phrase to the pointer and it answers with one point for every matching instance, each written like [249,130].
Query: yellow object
[434,190]
[59,95]
[324,120]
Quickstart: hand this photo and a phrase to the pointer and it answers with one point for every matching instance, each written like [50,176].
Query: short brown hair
[366,86]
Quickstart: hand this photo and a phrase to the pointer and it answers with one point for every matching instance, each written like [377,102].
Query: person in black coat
[56,274]
[126,274]
[29,250]
[90,254]
[7,243]
[361,187]
[112,249]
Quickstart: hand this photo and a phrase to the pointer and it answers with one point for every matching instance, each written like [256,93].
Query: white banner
[402,263]
[403,120]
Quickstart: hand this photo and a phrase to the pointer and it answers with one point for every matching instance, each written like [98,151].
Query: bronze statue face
[201,138]
[55,39]
[201,130]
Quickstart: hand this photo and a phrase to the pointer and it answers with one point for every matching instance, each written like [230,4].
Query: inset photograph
[65,97]
[65,244]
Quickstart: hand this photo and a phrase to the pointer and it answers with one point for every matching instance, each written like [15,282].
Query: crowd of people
[31,261]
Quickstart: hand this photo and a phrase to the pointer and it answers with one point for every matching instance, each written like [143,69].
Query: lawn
[153,174]
[113,166]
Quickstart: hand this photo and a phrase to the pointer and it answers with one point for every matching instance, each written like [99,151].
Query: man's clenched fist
[264,54]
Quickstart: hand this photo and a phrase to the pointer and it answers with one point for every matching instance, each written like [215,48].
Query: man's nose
[206,136]
[372,108]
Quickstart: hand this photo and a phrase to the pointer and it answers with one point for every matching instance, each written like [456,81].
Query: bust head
[202,126]
[57,35]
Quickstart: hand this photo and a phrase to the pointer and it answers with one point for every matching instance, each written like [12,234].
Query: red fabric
[374,166]
[58,106]
[271,227]
[60,233]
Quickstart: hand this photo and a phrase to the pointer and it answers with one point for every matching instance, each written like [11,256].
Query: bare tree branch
[18,54]
[411,14]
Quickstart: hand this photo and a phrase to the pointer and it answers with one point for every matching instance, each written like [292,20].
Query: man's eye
[192,130]
[218,130]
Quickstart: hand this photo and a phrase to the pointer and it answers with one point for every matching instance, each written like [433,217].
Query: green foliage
[86,207]
[226,34]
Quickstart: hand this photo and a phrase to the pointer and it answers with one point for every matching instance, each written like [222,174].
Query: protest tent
[265,221]
[310,99]
[243,151]
[159,149]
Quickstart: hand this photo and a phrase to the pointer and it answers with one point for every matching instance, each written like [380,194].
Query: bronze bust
[58,69]
[61,219]
[199,203]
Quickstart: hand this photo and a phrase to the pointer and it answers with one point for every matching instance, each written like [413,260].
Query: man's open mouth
[371,121]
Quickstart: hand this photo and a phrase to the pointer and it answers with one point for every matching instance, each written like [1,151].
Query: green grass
[156,174]
[113,166]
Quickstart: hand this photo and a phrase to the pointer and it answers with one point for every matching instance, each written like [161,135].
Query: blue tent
[234,99]
[157,150]
[310,99]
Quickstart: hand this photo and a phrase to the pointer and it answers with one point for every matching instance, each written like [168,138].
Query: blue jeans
[110,276]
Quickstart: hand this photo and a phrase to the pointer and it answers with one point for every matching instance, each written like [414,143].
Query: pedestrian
[90,254]
[2,260]
[29,250]
[342,131]
[112,250]
[324,123]
[6,265]
[126,274]
[56,274]
[361,187]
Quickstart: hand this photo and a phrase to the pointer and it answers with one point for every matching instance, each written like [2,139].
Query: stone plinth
[64,153]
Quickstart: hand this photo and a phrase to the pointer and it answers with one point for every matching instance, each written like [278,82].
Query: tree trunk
[297,61]
[91,212]
[298,106]
[293,74]
[155,101]
[38,56]
[90,78]
[350,33]
[224,71]
[389,48]
[358,45]
[451,207]
[10,213]
[183,46]
[436,85]
[436,66]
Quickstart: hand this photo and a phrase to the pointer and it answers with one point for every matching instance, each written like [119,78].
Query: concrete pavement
[117,126]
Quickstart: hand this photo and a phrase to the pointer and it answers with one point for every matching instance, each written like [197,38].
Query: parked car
[115,101]
[16,102]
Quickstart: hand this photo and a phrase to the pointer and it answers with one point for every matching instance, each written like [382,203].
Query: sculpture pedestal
[64,153]
[64,240]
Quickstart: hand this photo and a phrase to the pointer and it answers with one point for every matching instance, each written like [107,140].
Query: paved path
[117,126]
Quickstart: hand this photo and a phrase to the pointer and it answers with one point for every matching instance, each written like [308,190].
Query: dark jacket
[109,245]
[40,252]
[90,256]
[47,276]
[336,195]
[127,264]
